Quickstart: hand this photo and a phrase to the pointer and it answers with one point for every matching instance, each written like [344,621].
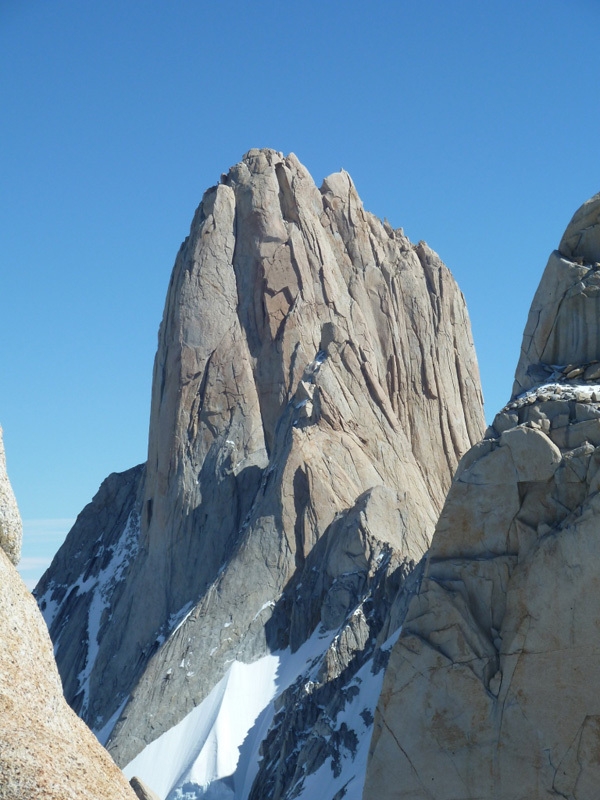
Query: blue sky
[470,124]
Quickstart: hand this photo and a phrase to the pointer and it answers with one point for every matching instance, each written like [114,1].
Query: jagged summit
[314,387]
[561,341]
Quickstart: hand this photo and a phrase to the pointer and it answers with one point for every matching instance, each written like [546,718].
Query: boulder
[142,791]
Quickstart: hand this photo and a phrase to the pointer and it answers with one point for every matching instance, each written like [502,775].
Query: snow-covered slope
[214,753]
[204,748]
[270,725]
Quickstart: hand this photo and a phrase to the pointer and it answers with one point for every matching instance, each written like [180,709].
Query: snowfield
[204,748]
[214,752]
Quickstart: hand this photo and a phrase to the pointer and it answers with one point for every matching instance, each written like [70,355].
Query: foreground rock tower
[45,750]
[314,388]
[493,689]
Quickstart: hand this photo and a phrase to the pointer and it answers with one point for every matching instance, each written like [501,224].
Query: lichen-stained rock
[492,689]
[11,528]
[310,357]
[46,751]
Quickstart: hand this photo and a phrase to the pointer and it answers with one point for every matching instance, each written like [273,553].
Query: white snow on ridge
[214,751]
[578,391]
[356,719]
[324,783]
[204,746]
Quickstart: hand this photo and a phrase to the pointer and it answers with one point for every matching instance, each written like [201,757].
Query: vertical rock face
[314,388]
[492,689]
[45,749]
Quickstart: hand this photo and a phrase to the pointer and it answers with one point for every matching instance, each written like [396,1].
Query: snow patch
[214,751]
[268,604]
[176,620]
[101,587]
[566,391]
[204,746]
[354,724]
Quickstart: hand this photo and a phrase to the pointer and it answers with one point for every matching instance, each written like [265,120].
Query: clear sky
[472,124]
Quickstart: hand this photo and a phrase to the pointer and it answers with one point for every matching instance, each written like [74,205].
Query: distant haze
[41,540]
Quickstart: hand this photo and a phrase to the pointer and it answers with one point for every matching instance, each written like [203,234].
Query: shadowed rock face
[45,749]
[86,580]
[492,689]
[315,373]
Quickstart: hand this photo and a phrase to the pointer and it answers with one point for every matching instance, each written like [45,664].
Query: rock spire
[314,387]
